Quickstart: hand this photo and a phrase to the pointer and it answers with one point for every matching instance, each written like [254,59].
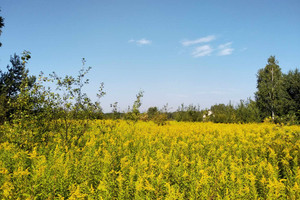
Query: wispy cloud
[225,49]
[207,49]
[200,51]
[199,40]
[141,41]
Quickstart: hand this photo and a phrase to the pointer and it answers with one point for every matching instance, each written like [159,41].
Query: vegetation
[56,143]
[270,89]
[181,160]
[11,82]
[277,99]
[291,84]
[1,26]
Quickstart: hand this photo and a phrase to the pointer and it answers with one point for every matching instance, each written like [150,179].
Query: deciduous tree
[270,92]
[292,87]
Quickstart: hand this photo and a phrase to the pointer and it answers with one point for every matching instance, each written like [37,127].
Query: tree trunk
[272,96]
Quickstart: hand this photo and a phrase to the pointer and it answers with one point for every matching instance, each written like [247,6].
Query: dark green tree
[11,81]
[270,92]
[247,112]
[292,87]
[159,117]
[189,113]
[152,111]
[222,113]
[1,25]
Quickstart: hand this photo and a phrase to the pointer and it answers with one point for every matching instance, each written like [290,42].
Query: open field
[167,100]
[127,160]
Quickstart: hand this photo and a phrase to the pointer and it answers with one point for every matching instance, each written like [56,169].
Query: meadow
[119,159]
[59,139]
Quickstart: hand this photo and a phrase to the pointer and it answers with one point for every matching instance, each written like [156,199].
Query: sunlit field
[181,160]
[142,100]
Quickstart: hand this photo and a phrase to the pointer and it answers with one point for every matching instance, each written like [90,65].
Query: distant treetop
[1,25]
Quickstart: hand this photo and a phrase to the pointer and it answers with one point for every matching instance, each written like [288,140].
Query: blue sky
[200,52]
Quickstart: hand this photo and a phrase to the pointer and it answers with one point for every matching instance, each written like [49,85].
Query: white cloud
[140,42]
[199,40]
[225,49]
[226,45]
[225,52]
[143,41]
[200,51]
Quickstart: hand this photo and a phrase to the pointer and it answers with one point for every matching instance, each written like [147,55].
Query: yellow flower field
[181,160]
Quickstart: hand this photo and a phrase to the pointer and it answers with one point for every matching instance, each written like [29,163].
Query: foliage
[137,103]
[222,113]
[71,103]
[152,111]
[292,87]
[189,113]
[157,116]
[160,119]
[134,113]
[181,160]
[247,112]
[270,91]
[11,82]
[1,26]
[115,113]
[34,106]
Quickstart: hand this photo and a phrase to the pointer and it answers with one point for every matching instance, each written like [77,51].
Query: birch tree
[270,92]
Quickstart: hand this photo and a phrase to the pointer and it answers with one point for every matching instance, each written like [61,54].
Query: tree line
[277,98]
[24,96]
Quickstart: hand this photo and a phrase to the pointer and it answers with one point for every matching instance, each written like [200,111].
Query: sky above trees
[200,52]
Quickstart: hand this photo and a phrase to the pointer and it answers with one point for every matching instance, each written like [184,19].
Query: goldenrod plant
[180,160]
